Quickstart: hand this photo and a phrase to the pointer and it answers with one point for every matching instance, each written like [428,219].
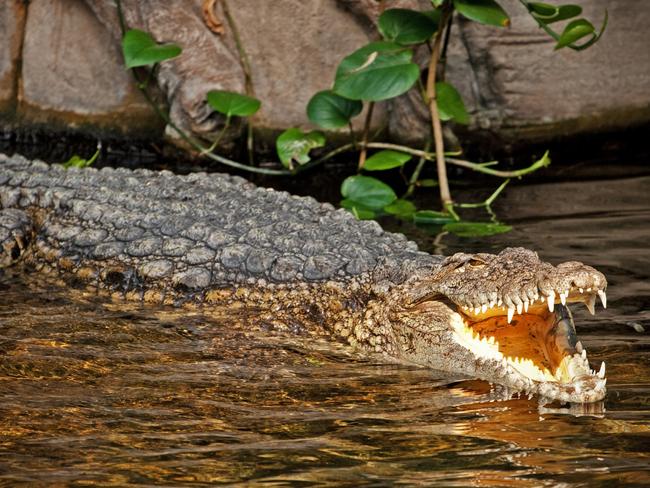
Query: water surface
[94,392]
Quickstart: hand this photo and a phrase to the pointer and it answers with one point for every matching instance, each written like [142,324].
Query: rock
[72,73]
[518,88]
[12,23]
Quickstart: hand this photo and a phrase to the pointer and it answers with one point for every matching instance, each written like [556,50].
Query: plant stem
[445,195]
[352,135]
[445,46]
[364,140]
[325,157]
[488,201]
[418,169]
[216,141]
[248,76]
[544,161]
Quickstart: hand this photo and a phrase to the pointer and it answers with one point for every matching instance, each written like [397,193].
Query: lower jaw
[575,382]
[587,389]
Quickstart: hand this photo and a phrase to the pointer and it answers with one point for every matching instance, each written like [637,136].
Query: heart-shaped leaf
[401,208]
[575,31]
[332,111]
[368,192]
[405,26]
[476,229]
[483,11]
[294,145]
[140,49]
[377,71]
[450,103]
[231,103]
[386,160]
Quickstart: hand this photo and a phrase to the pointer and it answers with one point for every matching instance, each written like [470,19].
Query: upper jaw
[538,301]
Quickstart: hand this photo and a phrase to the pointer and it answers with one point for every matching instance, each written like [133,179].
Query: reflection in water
[111,394]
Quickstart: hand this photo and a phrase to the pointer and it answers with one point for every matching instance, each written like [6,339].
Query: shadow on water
[115,394]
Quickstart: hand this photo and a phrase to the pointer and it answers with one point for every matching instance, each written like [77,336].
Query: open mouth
[535,339]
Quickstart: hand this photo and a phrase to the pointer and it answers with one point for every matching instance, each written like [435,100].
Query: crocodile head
[503,318]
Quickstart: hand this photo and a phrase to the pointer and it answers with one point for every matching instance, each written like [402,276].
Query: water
[114,394]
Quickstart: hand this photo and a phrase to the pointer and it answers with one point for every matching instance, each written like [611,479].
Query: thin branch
[364,140]
[445,46]
[436,125]
[248,76]
[544,161]
[418,169]
[489,200]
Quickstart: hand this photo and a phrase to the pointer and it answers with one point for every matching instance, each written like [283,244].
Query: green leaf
[377,71]
[429,217]
[450,103]
[360,211]
[79,162]
[231,103]
[294,145]
[401,208]
[368,192]
[548,14]
[483,11]
[476,229]
[386,160]
[140,49]
[405,26]
[437,3]
[332,111]
[542,10]
[575,31]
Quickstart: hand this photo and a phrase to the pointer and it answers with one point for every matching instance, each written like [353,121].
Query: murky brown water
[113,394]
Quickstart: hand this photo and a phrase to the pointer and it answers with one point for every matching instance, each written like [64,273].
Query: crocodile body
[205,239]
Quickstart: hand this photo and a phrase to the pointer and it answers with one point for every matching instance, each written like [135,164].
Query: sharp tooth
[520,308]
[550,299]
[491,340]
[526,306]
[581,290]
[477,310]
[591,304]
[584,353]
[511,313]
[588,290]
[601,372]
[603,298]
[484,308]
[579,346]
[563,298]
[499,302]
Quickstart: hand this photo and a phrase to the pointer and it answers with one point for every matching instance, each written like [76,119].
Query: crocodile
[207,240]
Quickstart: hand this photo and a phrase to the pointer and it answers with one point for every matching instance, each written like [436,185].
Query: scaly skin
[217,239]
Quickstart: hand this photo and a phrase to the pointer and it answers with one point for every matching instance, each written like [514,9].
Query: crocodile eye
[476,262]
